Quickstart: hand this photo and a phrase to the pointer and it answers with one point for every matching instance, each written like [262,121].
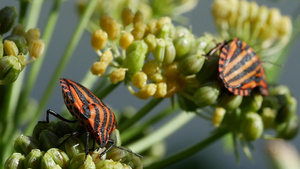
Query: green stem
[141,113]
[15,89]
[64,60]
[166,130]
[34,13]
[105,91]
[189,151]
[135,130]
[5,121]
[35,69]
[23,10]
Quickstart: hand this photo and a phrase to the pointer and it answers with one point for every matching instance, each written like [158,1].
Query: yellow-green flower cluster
[249,117]
[148,8]
[264,29]
[156,58]
[14,47]
[48,147]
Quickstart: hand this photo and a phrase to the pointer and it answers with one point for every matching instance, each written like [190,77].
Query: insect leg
[75,133]
[87,147]
[57,116]
[113,145]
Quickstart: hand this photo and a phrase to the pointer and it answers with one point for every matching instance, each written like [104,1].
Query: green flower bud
[33,159]
[280,90]
[164,32]
[10,68]
[289,129]
[20,42]
[15,161]
[252,103]
[8,16]
[218,116]
[24,144]
[59,157]
[73,146]
[77,162]
[268,116]
[18,30]
[185,103]
[192,64]
[135,56]
[159,51]
[230,101]
[182,31]
[47,162]
[287,111]
[182,45]
[48,139]
[207,94]
[252,126]
[117,154]
[40,127]
[116,137]
[138,30]
[62,128]
[127,16]
[150,40]
[135,163]
[10,48]
[108,164]
[170,52]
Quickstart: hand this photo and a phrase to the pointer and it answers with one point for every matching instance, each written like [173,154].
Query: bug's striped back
[240,69]
[88,110]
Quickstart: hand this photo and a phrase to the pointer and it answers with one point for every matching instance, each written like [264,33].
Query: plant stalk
[189,151]
[64,60]
[141,113]
[163,132]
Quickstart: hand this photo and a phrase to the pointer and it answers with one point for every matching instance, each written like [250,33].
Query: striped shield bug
[90,112]
[240,68]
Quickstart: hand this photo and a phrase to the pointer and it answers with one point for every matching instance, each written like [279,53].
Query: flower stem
[34,13]
[189,151]
[64,60]
[144,110]
[135,130]
[22,13]
[38,63]
[105,91]
[162,133]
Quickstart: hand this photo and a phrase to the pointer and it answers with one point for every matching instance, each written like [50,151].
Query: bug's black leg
[105,151]
[87,147]
[75,133]
[113,145]
[57,116]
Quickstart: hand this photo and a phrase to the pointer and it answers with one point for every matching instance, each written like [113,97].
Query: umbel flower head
[14,47]
[49,148]
[263,28]
[157,59]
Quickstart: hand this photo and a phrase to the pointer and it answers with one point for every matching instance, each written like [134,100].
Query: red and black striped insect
[90,112]
[240,68]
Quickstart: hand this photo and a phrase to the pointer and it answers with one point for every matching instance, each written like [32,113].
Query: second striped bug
[240,68]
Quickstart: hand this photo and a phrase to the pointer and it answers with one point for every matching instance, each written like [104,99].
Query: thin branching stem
[162,133]
[135,130]
[189,151]
[141,113]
